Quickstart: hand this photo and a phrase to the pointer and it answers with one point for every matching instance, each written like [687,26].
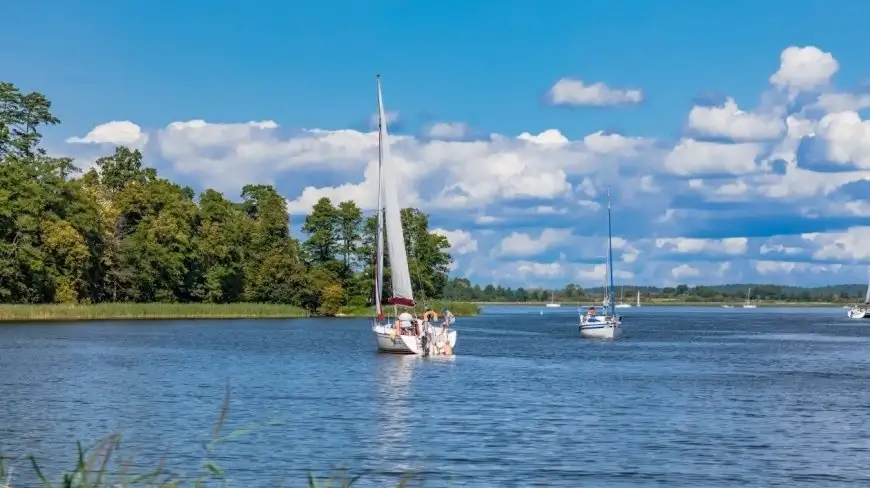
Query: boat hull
[599,328]
[391,343]
[858,313]
[553,305]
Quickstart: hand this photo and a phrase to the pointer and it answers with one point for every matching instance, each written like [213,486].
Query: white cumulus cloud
[568,91]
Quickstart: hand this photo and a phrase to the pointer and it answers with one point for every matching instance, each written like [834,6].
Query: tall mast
[867,296]
[379,270]
[400,276]
[610,253]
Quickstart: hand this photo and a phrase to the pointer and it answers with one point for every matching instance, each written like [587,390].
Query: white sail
[400,276]
[867,296]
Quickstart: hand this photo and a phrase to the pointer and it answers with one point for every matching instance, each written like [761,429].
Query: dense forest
[120,232]
[461,289]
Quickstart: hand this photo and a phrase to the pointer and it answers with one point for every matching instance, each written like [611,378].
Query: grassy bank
[169,311]
[459,309]
[676,303]
[147,311]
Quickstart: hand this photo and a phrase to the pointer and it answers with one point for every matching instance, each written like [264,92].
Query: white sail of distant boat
[553,300]
[607,325]
[862,311]
[638,298]
[622,303]
[406,334]
[748,303]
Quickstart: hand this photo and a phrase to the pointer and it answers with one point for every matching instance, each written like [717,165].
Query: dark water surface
[692,397]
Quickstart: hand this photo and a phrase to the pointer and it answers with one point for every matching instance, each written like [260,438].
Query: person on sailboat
[591,313]
[405,323]
[430,316]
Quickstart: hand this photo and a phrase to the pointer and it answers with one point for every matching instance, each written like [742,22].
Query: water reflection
[395,412]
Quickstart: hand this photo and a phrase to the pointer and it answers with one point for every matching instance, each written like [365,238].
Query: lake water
[692,397]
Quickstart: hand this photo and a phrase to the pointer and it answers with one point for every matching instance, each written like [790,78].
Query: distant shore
[187,311]
[674,303]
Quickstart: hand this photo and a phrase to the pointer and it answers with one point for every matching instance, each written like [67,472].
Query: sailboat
[607,325]
[553,301]
[622,303]
[748,303]
[638,298]
[406,334]
[861,311]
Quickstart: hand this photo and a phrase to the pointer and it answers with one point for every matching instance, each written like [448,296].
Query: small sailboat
[861,311]
[553,303]
[607,325]
[638,298]
[407,334]
[748,303]
[622,303]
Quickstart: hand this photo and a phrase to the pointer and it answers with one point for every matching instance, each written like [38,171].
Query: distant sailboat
[607,325]
[748,303]
[407,334]
[622,303]
[638,298]
[553,303]
[861,311]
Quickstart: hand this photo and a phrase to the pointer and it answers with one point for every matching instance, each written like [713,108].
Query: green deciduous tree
[121,232]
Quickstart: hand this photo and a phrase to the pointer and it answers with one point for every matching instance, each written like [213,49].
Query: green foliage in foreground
[122,233]
[103,466]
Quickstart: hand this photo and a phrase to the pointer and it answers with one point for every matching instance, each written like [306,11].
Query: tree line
[461,289]
[120,232]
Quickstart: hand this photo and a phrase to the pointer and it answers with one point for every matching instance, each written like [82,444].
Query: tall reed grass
[147,311]
[176,311]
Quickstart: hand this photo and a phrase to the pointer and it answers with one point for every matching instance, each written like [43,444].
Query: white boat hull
[858,313]
[551,305]
[600,328]
[622,305]
[390,342]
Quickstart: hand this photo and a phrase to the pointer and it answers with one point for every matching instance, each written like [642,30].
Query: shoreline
[17,313]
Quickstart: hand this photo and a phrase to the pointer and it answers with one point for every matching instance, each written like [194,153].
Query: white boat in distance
[861,311]
[553,303]
[407,334]
[607,325]
[622,303]
[748,303]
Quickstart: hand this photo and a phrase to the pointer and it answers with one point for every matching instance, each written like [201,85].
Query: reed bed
[146,311]
[180,311]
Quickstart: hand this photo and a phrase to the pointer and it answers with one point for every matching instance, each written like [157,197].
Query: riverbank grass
[188,311]
[147,311]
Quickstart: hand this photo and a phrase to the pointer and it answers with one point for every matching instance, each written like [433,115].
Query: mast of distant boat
[610,256]
[867,296]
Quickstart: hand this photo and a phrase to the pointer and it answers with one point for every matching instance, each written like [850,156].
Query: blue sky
[733,134]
